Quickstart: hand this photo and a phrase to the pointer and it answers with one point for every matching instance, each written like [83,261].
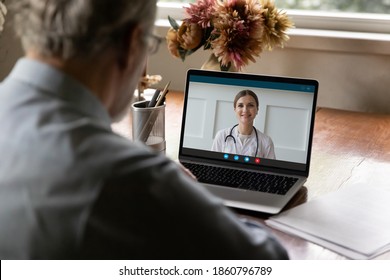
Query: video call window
[280,115]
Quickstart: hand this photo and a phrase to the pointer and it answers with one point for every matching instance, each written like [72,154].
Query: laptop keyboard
[254,181]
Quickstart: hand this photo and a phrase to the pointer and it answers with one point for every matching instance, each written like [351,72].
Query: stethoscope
[234,139]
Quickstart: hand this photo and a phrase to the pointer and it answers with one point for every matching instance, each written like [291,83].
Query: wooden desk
[347,147]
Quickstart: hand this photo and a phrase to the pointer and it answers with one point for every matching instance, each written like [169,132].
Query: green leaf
[189,52]
[173,23]
[207,45]
[182,53]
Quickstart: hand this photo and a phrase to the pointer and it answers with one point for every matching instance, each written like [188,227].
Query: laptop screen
[251,121]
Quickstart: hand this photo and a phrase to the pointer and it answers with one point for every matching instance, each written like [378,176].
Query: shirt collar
[61,85]
[236,133]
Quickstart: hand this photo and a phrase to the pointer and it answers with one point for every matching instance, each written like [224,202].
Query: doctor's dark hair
[83,28]
[244,93]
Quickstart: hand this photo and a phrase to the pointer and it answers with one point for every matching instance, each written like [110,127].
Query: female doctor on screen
[243,138]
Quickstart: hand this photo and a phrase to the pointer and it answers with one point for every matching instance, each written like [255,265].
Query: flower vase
[213,64]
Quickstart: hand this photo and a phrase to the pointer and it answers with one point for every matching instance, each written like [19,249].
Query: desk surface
[347,147]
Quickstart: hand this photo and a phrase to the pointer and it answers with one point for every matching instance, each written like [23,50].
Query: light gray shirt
[71,188]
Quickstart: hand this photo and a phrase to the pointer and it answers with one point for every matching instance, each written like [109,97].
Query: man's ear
[130,44]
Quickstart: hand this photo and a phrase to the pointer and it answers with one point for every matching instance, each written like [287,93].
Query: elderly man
[70,188]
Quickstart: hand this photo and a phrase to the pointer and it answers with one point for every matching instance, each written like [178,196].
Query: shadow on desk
[299,198]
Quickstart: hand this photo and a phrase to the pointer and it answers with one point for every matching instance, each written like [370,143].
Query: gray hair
[69,28]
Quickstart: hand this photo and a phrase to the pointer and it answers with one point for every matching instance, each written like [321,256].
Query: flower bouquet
[236,31]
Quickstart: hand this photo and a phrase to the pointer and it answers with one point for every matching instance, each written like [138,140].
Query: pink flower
[236,31]
[201,13]
[239,31]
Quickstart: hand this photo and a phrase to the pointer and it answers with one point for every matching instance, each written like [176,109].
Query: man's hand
[186,171]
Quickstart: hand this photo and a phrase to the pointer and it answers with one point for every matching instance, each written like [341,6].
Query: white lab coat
[265,149]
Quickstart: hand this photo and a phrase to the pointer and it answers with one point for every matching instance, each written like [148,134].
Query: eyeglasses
[153,42]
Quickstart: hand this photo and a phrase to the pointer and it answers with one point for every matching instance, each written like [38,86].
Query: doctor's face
[246,109]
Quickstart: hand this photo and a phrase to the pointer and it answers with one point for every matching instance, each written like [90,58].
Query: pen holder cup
[148,125]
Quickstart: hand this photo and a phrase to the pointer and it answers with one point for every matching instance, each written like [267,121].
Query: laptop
[262,178]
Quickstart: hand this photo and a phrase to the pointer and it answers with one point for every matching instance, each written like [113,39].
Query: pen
[153,101]
[163,98]
[162,95]
[147,128]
